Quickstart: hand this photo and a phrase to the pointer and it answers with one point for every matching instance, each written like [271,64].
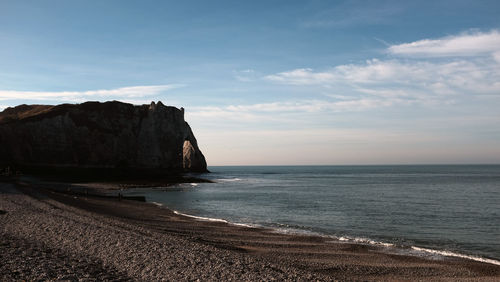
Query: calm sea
[452,209]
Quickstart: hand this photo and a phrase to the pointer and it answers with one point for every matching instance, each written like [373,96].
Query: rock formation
[111,135]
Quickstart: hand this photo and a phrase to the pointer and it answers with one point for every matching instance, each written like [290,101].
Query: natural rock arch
[111,135]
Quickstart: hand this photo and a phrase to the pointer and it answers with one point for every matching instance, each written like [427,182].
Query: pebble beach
[51,235]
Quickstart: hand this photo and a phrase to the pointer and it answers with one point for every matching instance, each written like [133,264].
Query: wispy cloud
[303,76]
[285,110]
[353,13]
[459,76]
[468,70]
[466,44]
[471,67]
[123,93]
[246,75]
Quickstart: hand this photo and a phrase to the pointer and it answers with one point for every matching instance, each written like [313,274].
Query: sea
[429,210]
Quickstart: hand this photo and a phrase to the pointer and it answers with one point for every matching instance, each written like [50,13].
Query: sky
[275,82]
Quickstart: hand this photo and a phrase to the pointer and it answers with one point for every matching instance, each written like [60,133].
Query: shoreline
[410,250]
[196,249]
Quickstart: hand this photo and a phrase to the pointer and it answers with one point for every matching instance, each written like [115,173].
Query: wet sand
[47,234]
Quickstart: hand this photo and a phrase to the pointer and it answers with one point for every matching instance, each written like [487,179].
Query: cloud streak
[467,44]
[459,76]
[132,92]
[353,14]
[284,111]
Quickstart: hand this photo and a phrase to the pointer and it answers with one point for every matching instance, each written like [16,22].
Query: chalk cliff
[111,135]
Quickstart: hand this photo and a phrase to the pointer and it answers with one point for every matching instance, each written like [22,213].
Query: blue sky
[275,82]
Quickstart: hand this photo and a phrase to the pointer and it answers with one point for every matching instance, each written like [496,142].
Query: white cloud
[479,75]
[496,56]
[246,75]
[130,93]
[302,77]
[468,44]
[284,111]
[419,79]
[373,71]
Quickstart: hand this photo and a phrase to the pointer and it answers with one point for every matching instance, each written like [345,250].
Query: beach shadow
[8,188]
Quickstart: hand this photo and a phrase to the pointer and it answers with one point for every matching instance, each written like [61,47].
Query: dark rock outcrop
[111,135]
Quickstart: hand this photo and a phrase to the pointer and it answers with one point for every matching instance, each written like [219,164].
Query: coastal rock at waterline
[110,135]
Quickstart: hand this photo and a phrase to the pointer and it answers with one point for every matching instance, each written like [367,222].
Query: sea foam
[201,218]
[357,240]
[452,254]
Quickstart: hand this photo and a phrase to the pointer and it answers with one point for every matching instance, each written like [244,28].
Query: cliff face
[99,135]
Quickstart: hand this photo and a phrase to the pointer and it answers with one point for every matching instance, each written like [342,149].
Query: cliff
[93,135]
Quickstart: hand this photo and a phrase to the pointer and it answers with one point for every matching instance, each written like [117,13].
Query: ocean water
[440,209]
